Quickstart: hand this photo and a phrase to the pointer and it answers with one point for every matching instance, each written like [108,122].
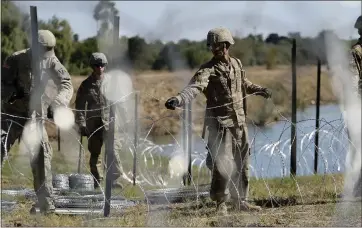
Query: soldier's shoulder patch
[58,67]
[61,70]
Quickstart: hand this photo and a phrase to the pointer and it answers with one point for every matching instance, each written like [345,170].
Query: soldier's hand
[172,103]
[83,131]
[50,112]
[266,93]
[16,96]
[12,98]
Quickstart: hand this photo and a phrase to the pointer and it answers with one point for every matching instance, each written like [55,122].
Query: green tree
[80,56]
[271,58]
[13,29]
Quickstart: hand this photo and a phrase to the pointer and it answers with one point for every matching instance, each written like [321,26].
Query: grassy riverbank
[300,201]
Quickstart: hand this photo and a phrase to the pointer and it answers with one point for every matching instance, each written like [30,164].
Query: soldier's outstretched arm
[255,89]
[80,106]
[62,79]
[250,87]
[197,85]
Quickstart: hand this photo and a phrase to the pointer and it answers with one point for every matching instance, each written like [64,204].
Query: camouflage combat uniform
[17,80]
[356,69]
[225,87]
[93,114]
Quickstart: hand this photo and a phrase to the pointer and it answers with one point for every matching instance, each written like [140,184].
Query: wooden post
[316,138]
[293,154]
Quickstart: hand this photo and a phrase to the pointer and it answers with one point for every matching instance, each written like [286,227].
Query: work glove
[266,93]
[172,103]
[50,112]
[83,131]
[16,96]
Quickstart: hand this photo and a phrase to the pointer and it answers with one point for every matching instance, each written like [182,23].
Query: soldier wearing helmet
[356,69]
[92,117]
[17,85]
[356,57]
[222,80]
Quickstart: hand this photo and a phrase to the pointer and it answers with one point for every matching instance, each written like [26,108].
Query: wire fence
[270,149]
[175,170]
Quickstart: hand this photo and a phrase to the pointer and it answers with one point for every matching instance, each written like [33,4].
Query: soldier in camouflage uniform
[92,117]
[17,86]
[223,82]
[356,68]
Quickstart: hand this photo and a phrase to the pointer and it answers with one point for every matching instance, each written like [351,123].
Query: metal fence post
[184,135]
[316,138]
[135,137]
[293,153]
[189,140]
[110,135]
[58,139]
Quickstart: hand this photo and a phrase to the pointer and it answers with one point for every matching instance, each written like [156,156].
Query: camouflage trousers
[11,130]
[228,159]
[95,142]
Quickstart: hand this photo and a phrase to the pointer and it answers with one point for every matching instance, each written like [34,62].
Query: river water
[270,145]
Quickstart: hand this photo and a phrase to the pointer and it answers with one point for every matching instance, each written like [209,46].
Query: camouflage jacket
[17,78]
[225,87]
[90,103]
[356,65]
[93,108]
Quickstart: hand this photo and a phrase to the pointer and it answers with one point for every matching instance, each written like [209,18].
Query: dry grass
[303,201]
[313,204]
[157,87]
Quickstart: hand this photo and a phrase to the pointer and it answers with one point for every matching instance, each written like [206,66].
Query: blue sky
[174,20]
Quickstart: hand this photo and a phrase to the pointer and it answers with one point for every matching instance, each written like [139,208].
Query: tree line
[139,54]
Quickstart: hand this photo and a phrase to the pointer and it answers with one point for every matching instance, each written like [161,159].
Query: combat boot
[221,209]
[33,209]
[49,210]
[245,206]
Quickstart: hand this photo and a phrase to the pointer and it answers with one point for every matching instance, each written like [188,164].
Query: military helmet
[358,24]
[98,58]
[219,35]
[46,38]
